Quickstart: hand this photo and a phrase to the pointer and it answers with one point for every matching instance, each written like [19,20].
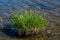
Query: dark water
[9,6]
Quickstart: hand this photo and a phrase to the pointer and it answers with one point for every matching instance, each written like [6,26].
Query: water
[9,6]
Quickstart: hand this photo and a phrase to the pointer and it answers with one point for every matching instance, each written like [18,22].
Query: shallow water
[46,6]
[7,6]
[51,9]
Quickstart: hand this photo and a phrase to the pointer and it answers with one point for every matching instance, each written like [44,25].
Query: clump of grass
[28,20]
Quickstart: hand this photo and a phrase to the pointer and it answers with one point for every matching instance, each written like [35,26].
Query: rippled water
[7,6]
[46,6]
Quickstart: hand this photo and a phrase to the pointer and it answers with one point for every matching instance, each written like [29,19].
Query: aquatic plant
[28,20]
